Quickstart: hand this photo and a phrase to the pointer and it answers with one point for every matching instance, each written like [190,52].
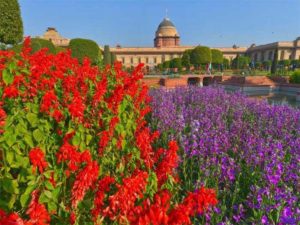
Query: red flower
[10,219]
[168,163]
[37,159]
[84,180]
[103,186]
[10,92]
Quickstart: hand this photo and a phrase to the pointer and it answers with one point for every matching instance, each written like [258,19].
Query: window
[155,60]
[131,60]
[147,60]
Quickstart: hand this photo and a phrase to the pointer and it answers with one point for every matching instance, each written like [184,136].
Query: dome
[166,29]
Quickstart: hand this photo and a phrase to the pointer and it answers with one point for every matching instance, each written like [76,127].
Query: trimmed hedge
[82,48]
[200,55]
[36,45]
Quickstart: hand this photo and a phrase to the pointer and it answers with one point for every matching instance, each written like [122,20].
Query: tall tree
[113,57]
[11,25]
[107,55]
[274,62]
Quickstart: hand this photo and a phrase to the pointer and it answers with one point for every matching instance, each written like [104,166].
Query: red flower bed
[75,148]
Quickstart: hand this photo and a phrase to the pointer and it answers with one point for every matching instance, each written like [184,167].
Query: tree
[216,57]
[240,62]
[82,48]
[200,55]
[107,56]
[11,25]
[186,59]
[113,57]
[226,63]
[274,62]
[176,63]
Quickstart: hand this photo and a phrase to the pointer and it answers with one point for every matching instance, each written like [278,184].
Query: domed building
[166,35]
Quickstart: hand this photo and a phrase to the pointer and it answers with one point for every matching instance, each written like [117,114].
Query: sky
[214,23]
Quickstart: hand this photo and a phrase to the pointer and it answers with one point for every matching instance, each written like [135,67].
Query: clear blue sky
[133,22]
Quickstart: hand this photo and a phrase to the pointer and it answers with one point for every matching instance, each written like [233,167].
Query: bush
[38,44]
[240,62]
[186,59]
[82,48]
[200,55]
[11,25]
[295,77]
[75,147]
[176,63]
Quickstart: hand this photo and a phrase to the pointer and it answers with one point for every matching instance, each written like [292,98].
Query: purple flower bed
[246,149]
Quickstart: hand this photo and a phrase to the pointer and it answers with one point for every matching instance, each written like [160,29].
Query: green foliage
[217,56]
[186,58]
[285,62]
[200,55]
[166,64]
[295,77]
[82,48]
[59,49]
[11,25]
[176,63]
[226,63]
[38,43]
[240,62]
[113,57]
[107,55]
[274,62]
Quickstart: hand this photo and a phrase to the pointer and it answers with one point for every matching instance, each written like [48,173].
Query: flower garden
[83,145]
[245,149]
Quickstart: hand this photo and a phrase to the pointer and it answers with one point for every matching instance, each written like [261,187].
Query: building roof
[166,23]
[166,29]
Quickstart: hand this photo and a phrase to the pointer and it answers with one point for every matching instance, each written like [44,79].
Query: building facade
[51,34]
[167,46]
[287,50]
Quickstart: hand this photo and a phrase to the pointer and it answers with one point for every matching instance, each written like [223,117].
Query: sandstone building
[167,46]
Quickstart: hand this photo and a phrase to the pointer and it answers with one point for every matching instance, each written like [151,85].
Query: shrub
[295,77]
[82,48]
[11,25]
[75,148]
[38,44]
[200,55]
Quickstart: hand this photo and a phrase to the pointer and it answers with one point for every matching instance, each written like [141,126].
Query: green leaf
[88,139]
[10,157]
[26,195]
[7,77]
[38,135]
[32,119]
[10,186]
[10,140]
[28,140]
[76,139]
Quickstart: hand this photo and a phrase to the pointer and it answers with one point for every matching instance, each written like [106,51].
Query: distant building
[51,34]
[286,50]
[167,46]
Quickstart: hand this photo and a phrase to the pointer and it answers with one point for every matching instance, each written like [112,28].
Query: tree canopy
[11,25]
[200,55]
[85,48]
[217,56]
